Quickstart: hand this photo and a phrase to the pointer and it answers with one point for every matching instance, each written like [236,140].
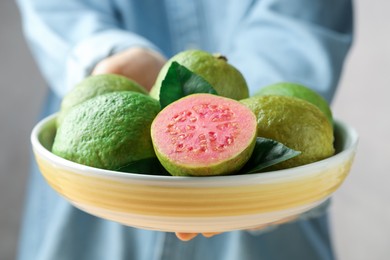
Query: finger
[210,234]
[185,236]
[106,66]
[133,63]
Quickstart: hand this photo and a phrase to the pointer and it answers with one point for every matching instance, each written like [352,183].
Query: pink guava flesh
[204,133]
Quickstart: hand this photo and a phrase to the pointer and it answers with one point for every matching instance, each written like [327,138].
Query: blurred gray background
[360,211]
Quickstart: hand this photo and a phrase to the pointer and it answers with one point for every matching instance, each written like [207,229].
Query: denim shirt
[303,41]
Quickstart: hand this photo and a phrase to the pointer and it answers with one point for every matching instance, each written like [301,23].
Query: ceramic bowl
[194,204]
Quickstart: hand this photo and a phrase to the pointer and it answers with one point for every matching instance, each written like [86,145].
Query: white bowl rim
[291,173]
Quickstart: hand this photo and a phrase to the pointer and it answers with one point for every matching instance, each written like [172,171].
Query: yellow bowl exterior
[192,204]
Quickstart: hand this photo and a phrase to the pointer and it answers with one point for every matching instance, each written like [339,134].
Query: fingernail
[186,236]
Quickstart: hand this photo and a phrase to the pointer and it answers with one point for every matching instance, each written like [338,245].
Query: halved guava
[204,135]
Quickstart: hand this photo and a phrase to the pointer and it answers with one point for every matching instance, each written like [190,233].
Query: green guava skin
[96,85]
[215,69]
[298,91]
[296,123]
[108,131]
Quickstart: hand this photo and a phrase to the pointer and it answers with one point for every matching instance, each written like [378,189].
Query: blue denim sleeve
[301,41]
[72,36]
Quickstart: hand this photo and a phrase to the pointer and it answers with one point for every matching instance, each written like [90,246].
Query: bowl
[194,204]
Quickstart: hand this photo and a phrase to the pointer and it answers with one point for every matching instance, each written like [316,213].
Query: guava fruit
[215,69]
[96,85]
[296,123]
[299,91]
[204,135]
[108,131]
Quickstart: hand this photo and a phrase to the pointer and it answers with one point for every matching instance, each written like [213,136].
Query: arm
[301,41]
[77,35]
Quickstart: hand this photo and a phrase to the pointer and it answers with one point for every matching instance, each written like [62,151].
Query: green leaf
[267,152]
[151,166]
[180,82]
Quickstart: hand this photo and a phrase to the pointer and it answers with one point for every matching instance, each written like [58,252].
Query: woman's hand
[189,236]
[139,64]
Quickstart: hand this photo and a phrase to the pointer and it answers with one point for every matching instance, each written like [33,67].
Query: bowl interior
[47,132]
[43,135]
